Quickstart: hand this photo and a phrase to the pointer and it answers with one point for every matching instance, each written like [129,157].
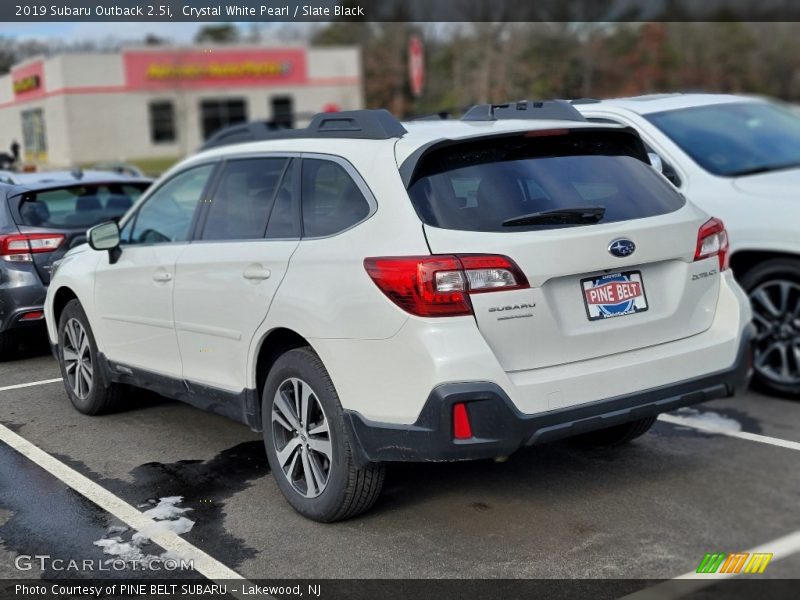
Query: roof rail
[353,124]
[439,116]
[585,101]
[524,109]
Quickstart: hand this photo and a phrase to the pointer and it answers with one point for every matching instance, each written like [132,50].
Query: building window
[282,112]
[162,122]
[33,135]
[219,113]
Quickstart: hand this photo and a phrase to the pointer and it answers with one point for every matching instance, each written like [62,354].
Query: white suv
[365,291]
[738,158]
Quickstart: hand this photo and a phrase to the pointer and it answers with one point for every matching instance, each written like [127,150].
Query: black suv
[42,215]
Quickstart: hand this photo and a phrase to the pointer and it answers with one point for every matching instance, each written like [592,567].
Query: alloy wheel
[77,357]
[776,313]
[301,436]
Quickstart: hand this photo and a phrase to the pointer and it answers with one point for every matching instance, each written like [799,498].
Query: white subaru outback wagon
[366,291]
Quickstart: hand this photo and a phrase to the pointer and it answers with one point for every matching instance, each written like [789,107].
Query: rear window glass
[77,206]
[480,185]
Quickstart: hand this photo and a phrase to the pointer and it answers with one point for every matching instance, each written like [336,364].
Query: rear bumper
[500,429]
[15,302]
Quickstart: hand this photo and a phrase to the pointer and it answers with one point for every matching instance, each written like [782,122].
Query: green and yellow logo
[738,562]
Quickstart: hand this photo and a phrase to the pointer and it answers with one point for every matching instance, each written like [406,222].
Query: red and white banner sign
[416,66]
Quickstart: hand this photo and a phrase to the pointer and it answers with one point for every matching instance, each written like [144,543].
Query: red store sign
[28,81]
[214,68]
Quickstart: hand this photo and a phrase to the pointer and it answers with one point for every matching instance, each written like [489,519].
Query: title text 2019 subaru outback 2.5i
[365,291]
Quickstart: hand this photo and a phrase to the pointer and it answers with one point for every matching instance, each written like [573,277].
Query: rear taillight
[439,286]
[19,247]
[712,240]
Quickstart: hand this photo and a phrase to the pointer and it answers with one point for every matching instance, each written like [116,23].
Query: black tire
[9,344]
[348,491]
[772,330]
[102,397]
[617,435]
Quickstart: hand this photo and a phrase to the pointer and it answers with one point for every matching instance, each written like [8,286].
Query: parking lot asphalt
[651,509]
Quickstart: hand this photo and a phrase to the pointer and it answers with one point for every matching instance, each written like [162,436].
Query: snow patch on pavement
[167,516]
[167,509]
[116,529]
[707,419]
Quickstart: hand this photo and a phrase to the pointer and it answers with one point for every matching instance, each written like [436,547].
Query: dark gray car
[42,215]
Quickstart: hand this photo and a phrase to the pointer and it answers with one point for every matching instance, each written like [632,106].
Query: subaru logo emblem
[622,247]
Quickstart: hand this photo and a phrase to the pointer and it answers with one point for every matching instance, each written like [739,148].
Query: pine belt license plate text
[613,295]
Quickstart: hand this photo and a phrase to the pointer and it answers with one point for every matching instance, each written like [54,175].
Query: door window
[167,215]
[284,222]
[243,199]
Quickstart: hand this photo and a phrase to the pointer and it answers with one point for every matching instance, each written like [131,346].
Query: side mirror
[105,236]
[655,162]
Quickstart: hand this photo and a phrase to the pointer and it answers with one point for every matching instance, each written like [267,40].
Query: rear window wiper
[580,215]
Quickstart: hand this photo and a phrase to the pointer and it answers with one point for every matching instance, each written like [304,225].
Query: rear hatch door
[626,281]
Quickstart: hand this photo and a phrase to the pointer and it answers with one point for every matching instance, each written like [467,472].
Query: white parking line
[31,384]
[753,437]
[168,540]
[780,548]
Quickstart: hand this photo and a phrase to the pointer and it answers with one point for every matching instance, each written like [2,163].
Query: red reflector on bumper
[462,430]
[34,315]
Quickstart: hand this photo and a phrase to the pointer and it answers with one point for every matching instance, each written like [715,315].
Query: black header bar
[599,11]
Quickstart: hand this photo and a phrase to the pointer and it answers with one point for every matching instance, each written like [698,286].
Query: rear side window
[332,202]
[77,206]
[243,199]
[480,185]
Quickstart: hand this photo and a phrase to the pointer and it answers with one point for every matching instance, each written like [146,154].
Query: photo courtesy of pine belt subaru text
[365,291]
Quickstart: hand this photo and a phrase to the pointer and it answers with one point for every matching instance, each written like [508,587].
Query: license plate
[614,295]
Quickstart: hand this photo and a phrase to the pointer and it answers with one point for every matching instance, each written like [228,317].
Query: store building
[150,103]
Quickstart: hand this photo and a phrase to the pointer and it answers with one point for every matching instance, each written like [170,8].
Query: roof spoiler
[560,110]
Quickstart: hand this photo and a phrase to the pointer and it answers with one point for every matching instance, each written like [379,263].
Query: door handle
[162,276]
[256,273]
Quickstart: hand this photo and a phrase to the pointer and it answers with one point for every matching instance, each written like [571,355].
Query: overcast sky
[76,32]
